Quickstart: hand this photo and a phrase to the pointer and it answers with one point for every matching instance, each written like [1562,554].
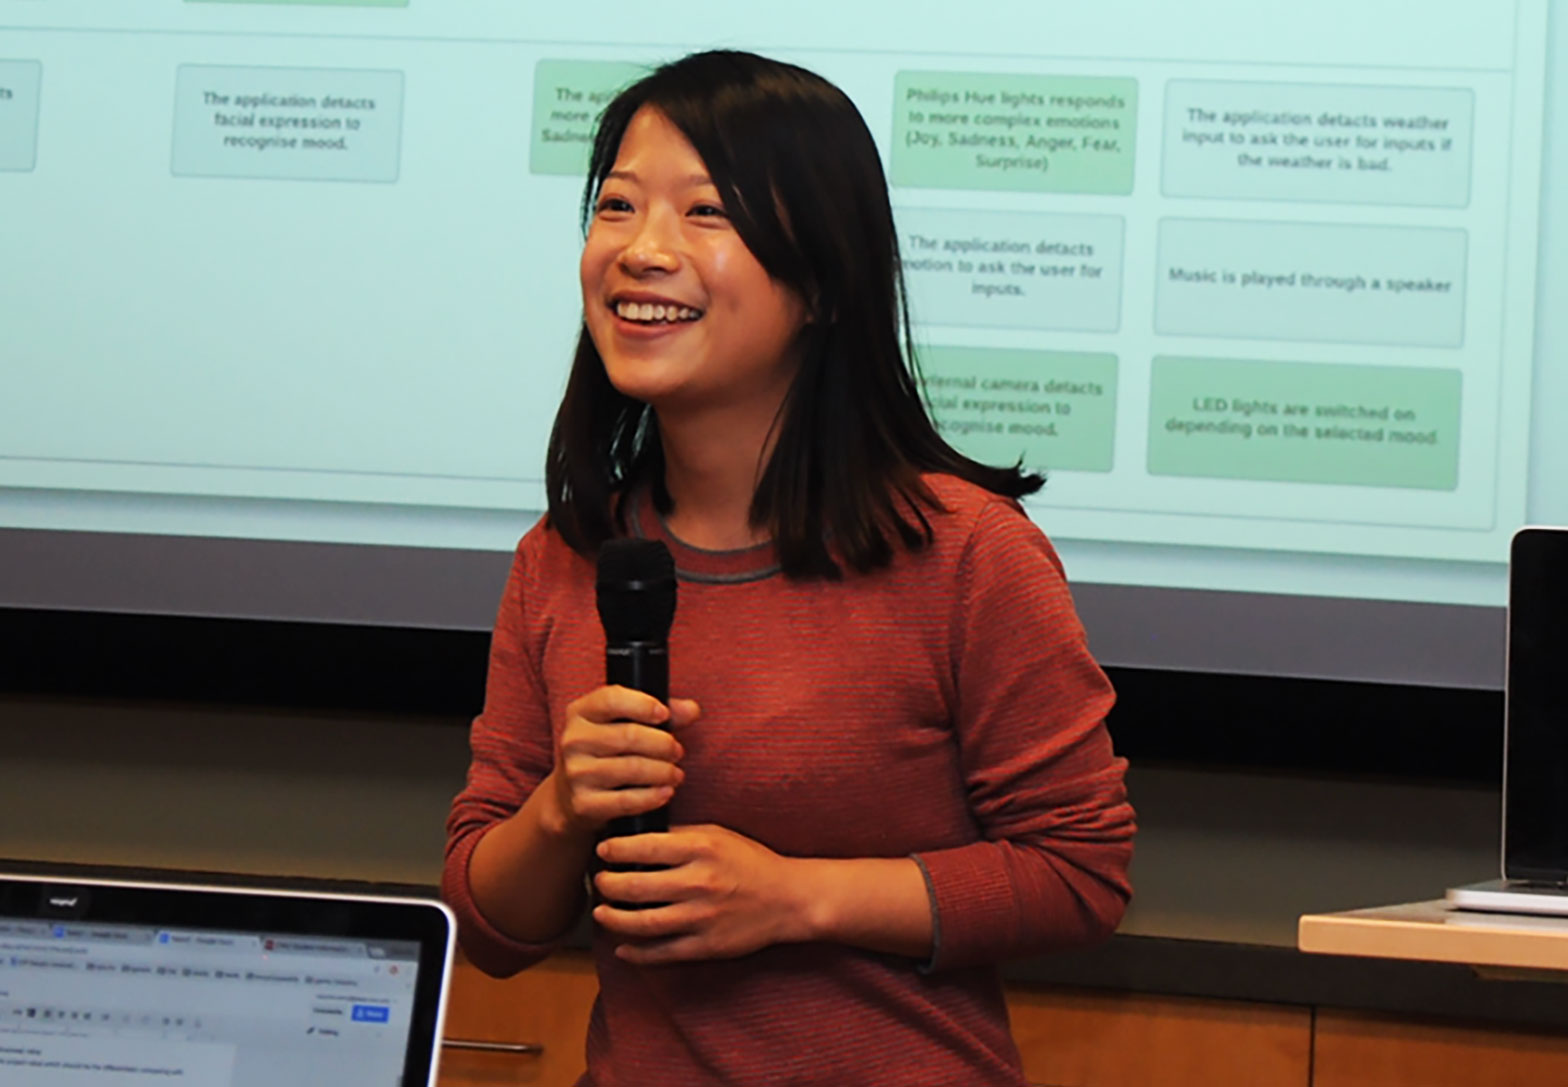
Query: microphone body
[642,666]
[635,592]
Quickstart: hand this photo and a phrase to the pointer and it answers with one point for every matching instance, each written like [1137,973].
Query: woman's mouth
[655,313]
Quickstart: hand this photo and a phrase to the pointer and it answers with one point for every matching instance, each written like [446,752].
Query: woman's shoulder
[537,542]
[543,553]
[983,525]
[964,503]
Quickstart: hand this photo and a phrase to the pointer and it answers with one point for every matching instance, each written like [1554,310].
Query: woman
[887,765]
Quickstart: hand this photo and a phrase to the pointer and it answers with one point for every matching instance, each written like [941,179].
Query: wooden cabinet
[1067,1038]
[1074,1038]
[1356,1050]
[544,1010]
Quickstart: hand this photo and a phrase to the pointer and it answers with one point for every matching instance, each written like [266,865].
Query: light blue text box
[305,124]
[1322,282]
[1319,143]
[990,269]
[20,81]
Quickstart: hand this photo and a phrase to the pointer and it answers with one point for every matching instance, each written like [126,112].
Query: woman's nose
[652,248]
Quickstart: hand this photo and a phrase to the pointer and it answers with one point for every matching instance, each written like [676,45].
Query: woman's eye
[708,210]
[614,203]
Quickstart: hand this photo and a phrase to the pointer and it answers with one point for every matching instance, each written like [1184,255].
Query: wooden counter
[1436,932]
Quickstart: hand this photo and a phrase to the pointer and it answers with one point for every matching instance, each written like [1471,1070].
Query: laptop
[124,981]
[1535,753]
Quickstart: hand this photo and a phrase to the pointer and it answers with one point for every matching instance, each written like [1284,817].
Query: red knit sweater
[945,708]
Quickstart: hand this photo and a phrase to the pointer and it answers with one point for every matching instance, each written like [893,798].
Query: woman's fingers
[608,704]
[622,772]
[602,788]
[661,922]
[651,878]
[667,850]
[601,806]
[683,712]
[582,737]
[611,721]
[616,756]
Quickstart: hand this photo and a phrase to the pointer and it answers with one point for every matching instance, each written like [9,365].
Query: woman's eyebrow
[690,180]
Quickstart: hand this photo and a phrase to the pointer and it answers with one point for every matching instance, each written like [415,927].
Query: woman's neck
[711,472]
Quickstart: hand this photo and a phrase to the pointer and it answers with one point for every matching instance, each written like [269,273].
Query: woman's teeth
[654,311]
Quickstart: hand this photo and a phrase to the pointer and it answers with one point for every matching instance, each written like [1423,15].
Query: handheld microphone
[635,589]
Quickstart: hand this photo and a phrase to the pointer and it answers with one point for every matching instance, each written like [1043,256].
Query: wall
[1221,855]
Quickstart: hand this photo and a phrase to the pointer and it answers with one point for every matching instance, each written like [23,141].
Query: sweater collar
[698,563]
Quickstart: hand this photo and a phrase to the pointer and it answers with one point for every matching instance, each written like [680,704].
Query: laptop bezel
[1522,544]
[282,911]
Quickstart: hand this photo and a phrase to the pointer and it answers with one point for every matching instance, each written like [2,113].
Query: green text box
[277,123]
[1053,409]
[1014,133]
[315,3]
[1305,422]
[569,95]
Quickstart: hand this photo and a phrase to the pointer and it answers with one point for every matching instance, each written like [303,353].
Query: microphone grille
[635,589]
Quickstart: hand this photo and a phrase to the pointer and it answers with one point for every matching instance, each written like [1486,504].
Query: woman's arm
[1046,789]
[525,874]
[512,751]
[521,832]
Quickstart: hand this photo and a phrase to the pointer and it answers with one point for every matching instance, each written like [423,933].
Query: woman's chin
[640,382]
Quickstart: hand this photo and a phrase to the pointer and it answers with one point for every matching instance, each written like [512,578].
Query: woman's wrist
[815,906]
[880,904]
[554,820]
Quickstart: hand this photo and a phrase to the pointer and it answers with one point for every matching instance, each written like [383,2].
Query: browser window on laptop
[85,1003]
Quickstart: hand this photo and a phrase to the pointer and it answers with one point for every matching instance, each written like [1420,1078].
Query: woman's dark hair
[802,183]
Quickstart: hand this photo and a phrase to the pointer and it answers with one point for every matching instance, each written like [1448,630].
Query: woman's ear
[814,314]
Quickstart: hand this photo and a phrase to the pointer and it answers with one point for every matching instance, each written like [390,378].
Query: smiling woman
[884,758]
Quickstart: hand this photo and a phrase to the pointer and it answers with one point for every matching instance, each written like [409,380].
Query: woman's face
[683,315]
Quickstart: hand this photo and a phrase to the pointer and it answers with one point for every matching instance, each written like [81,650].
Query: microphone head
[636,590]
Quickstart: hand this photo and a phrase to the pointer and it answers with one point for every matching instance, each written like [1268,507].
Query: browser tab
[295,945]
[210,941]
[402,950]
[104,934]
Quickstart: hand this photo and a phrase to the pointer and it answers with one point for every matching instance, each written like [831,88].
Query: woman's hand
[613,757]
[721,895]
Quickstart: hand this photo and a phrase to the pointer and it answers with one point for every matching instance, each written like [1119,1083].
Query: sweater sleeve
[513,748]
[1045,788]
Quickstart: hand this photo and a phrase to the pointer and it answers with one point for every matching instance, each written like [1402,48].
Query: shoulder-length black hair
[801,181]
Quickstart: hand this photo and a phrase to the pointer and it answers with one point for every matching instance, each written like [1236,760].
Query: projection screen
[1272,291]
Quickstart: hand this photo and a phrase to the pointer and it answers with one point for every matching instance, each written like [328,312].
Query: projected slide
[307,270]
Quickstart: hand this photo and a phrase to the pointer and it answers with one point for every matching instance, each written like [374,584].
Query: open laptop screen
[105,983]
[1535,765]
